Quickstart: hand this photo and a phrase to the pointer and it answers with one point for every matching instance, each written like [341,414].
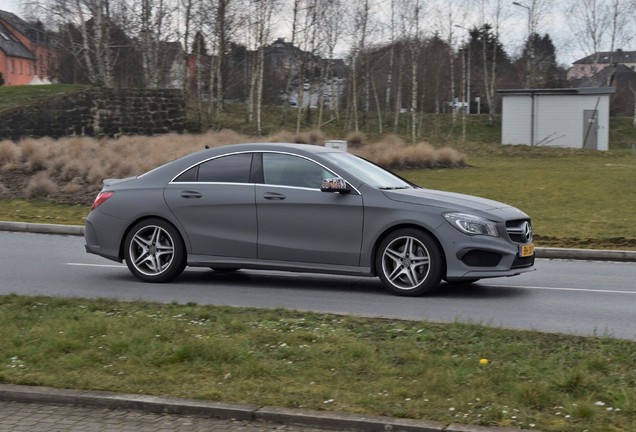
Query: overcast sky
[554,23]
[10,6]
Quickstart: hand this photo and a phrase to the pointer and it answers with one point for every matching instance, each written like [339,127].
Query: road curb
[38,228]
[551,253]
[246,412]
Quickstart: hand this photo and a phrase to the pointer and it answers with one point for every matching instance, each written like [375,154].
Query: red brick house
[26,53]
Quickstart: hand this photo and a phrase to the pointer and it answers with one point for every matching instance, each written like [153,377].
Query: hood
[442,199]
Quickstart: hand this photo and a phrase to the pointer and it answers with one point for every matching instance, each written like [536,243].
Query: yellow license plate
[526,250]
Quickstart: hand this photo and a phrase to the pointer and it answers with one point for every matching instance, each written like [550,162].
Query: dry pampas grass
[72,169]
[393,153]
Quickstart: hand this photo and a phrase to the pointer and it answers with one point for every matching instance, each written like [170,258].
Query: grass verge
[34,211]
[575,199]
[19,96]
[321,361]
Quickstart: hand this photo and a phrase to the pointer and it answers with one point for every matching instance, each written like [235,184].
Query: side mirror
[335,184]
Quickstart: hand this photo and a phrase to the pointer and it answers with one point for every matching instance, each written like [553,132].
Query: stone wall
[98,112]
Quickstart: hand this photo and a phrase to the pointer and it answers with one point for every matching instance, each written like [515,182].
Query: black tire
[409,262]
[154,251]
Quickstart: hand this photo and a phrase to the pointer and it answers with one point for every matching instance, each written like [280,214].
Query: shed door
[590,129]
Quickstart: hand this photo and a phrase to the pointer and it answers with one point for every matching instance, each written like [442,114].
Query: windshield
[369,173]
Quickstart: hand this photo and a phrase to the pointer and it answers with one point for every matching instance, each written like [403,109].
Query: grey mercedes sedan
[303,208]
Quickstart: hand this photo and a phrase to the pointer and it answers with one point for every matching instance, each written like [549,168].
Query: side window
[225,169]
[287,170]
[188,176]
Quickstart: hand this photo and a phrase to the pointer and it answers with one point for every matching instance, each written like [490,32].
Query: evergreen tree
[537,64]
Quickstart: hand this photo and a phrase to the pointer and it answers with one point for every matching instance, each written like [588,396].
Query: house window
[12,66]
[20,67]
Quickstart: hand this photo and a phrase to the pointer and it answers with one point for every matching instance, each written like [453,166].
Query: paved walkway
[26,417]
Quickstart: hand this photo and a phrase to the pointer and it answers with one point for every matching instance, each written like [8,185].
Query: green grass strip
[319,361]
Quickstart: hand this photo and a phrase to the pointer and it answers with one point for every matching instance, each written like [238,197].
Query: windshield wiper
[394,187]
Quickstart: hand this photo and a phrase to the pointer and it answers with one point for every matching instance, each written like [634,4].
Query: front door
[297,222]
[590,129]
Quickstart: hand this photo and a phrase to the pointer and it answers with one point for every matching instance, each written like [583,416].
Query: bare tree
[87,26]
[187,7]
[293,60]
[360,17]
[310,18]
[154,27]
[412,20]
[450,17]
[490,11]
[599,25]
[331,32]
[260,25]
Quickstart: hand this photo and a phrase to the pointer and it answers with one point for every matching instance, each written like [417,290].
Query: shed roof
[558,91]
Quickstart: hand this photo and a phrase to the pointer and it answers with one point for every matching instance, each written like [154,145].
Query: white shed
[568,117]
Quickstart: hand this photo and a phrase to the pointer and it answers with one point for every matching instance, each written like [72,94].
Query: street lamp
[529,66]
[530,61]
[467,109]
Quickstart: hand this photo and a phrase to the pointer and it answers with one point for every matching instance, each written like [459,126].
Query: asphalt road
[578,297]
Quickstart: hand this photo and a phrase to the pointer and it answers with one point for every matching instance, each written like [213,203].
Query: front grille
[519,231]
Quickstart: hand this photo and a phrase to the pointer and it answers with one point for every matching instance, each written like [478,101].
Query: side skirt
[246,263]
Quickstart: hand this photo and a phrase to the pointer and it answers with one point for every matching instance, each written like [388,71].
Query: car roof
[278,146]
[172,168]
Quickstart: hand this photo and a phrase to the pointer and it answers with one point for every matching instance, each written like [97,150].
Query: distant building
[620,75]
[593,64]
[26,52]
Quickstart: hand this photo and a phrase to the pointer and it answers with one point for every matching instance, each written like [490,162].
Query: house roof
[608,76]
[35,32]
[11,45]
[604,57]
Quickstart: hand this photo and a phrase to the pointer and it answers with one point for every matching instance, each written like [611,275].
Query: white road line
[564,289]
[96,265]
[492,285]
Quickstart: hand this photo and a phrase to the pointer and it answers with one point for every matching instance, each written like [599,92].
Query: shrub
[282,137]
[73,187]
[41,186]
[392,153]
[9,153]
[34,154]
[356,139]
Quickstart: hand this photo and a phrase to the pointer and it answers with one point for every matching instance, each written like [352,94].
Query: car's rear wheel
[154,251]
[409,262]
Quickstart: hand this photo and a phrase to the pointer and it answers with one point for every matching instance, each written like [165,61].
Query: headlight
[472,225]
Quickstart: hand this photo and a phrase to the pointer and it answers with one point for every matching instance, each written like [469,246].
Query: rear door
[299,223]
[215,202]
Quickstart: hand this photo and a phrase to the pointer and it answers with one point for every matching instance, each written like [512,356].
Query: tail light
[101,197]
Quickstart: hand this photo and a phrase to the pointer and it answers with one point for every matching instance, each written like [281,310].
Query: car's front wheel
[154,251]
[409,262]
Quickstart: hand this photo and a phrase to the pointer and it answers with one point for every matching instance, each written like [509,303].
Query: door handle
[190,194]
[274,196]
